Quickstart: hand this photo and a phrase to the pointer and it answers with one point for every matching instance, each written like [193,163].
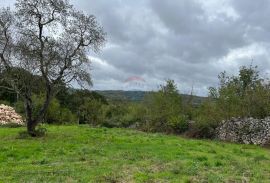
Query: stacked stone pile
[246,130]
[9,116]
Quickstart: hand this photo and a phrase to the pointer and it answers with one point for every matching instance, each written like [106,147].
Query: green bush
[207,117]
[134,115]
[244,95]
[41,131]
[113,115]
[56,114]
[178,123]
[11,125]
[91,112]
[164,110]
[5,102]
[120,114]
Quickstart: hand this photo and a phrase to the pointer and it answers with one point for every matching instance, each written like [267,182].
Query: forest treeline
[246,94]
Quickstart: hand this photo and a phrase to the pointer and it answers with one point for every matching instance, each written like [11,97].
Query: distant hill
[137,96]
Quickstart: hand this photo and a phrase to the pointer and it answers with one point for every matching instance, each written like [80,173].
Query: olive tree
[49,39]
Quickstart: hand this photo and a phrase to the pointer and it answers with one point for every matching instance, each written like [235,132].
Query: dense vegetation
[46,41]
[243,95]
[84,154]
[44,49]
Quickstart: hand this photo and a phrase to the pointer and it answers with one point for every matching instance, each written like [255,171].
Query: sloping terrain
[84,154]
[136,96]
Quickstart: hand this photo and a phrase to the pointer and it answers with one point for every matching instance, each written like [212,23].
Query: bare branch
[49,39]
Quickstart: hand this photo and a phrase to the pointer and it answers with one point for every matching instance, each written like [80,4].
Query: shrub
[134,115]
[11,125]
[178,123]
[56,114]
[41,131]
[164,110]
[90,112]
[113,115]
[245,95]
[206,118]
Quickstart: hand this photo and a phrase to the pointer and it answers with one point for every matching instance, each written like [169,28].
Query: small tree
[165,110]
[46,38]
[243,95]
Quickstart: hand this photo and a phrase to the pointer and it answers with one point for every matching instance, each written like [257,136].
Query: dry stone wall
[246,130]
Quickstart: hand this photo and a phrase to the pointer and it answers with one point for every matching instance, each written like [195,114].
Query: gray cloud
[190,41]
[5,3]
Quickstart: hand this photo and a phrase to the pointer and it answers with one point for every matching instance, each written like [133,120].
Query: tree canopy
[50,39]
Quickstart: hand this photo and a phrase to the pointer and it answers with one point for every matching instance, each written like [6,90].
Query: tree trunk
[32,122]
[29,117]
[31,128]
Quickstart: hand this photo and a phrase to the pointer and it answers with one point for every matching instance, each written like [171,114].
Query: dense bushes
[160,111]
[87,105]
[243,95]
[89,111]
[68,107]
[205,119]
[164,110]
[56,114]
[122,114]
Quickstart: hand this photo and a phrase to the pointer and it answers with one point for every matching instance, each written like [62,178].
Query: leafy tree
[165,110]
[46,38]
[243,95]
[84,103]
[90,111]
[206,118]
[56,114]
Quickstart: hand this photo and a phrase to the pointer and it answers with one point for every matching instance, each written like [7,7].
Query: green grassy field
[84,154]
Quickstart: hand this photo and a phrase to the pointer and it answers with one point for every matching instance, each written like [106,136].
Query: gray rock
[245,130]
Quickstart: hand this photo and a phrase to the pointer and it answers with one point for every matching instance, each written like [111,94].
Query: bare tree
[49,39]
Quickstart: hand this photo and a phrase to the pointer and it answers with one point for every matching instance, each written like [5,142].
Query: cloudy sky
[189,41]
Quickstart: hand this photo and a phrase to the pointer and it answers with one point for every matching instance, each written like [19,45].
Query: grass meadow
[84,154]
